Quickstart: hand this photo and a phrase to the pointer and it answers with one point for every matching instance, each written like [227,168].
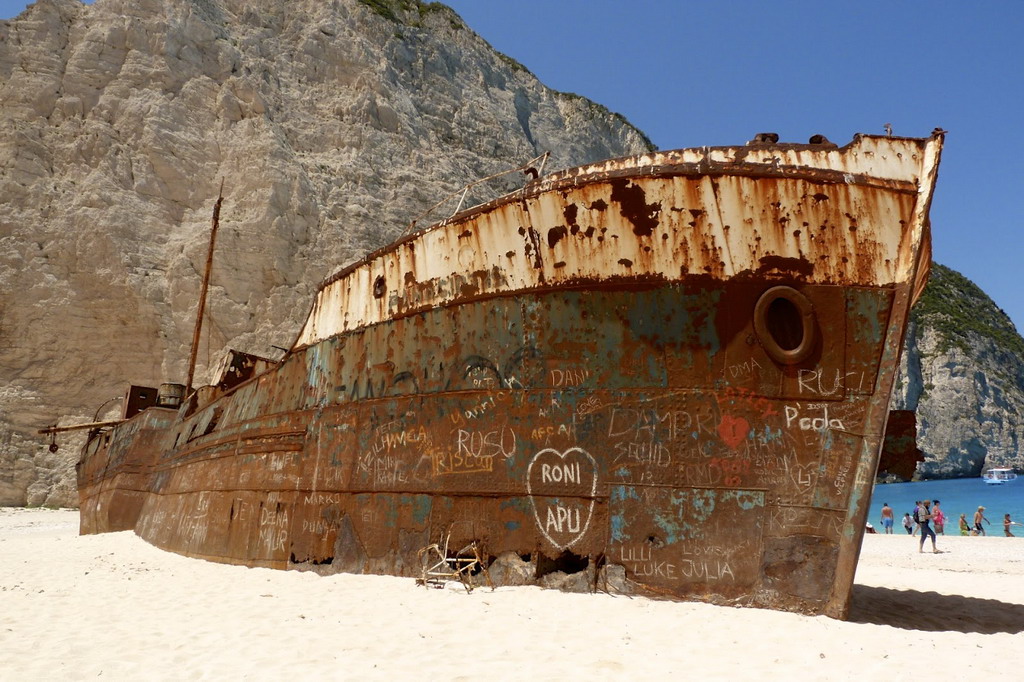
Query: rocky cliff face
[962,372]
[332,125]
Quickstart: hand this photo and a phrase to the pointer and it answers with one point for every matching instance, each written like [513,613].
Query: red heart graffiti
[733,430]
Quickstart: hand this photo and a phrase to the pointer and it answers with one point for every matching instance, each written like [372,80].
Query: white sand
[112,606]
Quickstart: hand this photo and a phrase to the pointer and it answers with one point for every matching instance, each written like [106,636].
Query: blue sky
[714,73]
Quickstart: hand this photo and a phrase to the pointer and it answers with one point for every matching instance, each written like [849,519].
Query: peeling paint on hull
[678,363]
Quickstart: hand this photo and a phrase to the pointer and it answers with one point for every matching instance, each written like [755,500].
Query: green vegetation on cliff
[389,9]
[956,307]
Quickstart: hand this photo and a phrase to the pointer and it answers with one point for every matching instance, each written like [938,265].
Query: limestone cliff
[332,125]
[962,372]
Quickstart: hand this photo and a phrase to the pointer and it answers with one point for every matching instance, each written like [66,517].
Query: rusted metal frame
[711,169]
[613,283]
[466,493]
[93,481]
[186,453]
[79,427]
[700,169]
[716,169]
[147,491]
[524,167]
[176,460]
[203,290]
[473,494]
[867,460]
[857,510]
[430,575]
[222,440]
[933,155]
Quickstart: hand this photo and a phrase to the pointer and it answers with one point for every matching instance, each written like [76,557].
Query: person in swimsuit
[939,517]
[1006,526]
[924,515]
[887,518]
[979,516]
[965,528]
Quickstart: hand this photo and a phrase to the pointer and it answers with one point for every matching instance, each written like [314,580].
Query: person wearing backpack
[924,515]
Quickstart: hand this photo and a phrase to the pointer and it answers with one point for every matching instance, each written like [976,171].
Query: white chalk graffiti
[571,474]
[817,382]
[821,422]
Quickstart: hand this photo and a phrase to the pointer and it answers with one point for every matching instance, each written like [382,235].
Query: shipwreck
[671,371]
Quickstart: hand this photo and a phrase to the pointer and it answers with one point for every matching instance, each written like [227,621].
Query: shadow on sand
[934,612]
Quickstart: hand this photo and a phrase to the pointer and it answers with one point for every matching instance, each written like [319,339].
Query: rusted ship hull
[678,364]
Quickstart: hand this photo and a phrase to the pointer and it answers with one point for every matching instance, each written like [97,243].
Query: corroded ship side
[678,363]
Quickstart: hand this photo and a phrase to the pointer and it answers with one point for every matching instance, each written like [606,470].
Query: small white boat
[998,476]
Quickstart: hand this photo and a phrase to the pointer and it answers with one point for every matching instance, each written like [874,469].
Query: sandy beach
[112,606]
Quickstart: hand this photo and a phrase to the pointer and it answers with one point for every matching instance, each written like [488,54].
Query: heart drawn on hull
[561,486]
[733,430]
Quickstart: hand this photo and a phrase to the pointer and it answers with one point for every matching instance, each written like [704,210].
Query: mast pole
[202,293]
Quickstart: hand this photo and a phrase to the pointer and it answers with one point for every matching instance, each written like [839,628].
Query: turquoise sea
[958,496]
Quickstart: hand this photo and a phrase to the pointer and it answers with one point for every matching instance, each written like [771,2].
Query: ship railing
[531,168]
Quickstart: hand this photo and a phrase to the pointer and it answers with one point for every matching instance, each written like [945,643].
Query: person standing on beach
[908,523]
[887,518]
[939,517]
[1006,526]
[924,515]
[965,529]
[979,516]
